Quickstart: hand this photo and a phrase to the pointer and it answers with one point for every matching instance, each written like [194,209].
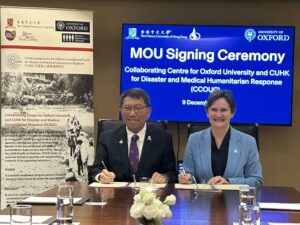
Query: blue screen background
[175,101]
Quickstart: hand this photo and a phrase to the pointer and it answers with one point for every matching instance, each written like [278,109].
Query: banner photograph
[47,115]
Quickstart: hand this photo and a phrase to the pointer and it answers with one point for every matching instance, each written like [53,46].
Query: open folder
[112,184]
[50,200]
[207,187]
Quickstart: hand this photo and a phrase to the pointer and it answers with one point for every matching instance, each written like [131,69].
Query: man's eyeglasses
[136,109]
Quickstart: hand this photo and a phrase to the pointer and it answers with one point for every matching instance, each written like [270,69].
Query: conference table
[191,208]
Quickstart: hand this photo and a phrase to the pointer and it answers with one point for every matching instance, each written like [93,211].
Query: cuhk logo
[132,33]
[195,35]
[250,34]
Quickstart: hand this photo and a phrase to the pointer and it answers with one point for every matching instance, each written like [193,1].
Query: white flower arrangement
[147,205]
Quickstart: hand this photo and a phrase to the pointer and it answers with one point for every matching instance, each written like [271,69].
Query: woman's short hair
[136,93]
[215,95]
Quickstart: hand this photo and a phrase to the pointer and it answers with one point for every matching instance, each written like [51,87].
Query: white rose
[170,200]
[143,191]
[150,211]
[168,213]
[148,198]
[156,202]
[137,198]
[147,205]
[136,210]
[161,211]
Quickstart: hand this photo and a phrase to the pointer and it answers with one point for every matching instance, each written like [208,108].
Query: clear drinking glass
[65,196]
[247,195]
[249,215]
[21,215]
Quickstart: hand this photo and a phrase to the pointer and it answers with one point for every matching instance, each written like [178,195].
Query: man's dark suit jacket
[157,155]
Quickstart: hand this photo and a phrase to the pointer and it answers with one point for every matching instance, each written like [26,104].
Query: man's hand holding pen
[106,177]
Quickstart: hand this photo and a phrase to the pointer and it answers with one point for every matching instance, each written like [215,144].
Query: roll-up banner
[46,99]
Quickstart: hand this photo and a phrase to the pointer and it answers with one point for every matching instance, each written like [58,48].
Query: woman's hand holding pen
[184,178]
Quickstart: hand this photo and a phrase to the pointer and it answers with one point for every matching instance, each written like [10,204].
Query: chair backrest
[251,129]
[108,124]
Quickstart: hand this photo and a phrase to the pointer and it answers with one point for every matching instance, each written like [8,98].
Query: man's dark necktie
[134,154]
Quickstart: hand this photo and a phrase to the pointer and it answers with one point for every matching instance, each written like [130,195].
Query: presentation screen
[180,65]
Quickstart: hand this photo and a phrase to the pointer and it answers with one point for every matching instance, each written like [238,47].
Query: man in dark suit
[154,148]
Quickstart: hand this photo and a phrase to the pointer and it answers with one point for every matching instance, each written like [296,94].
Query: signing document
[50,200]
[281,206]
[111,184]
[5,219]
[234,187]
[270,223]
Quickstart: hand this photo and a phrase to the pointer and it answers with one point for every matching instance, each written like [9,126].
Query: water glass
[247,195]
[249,215]
[21,215]
[65,196]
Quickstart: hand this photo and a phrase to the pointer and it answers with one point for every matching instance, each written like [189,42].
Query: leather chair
[251,129]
